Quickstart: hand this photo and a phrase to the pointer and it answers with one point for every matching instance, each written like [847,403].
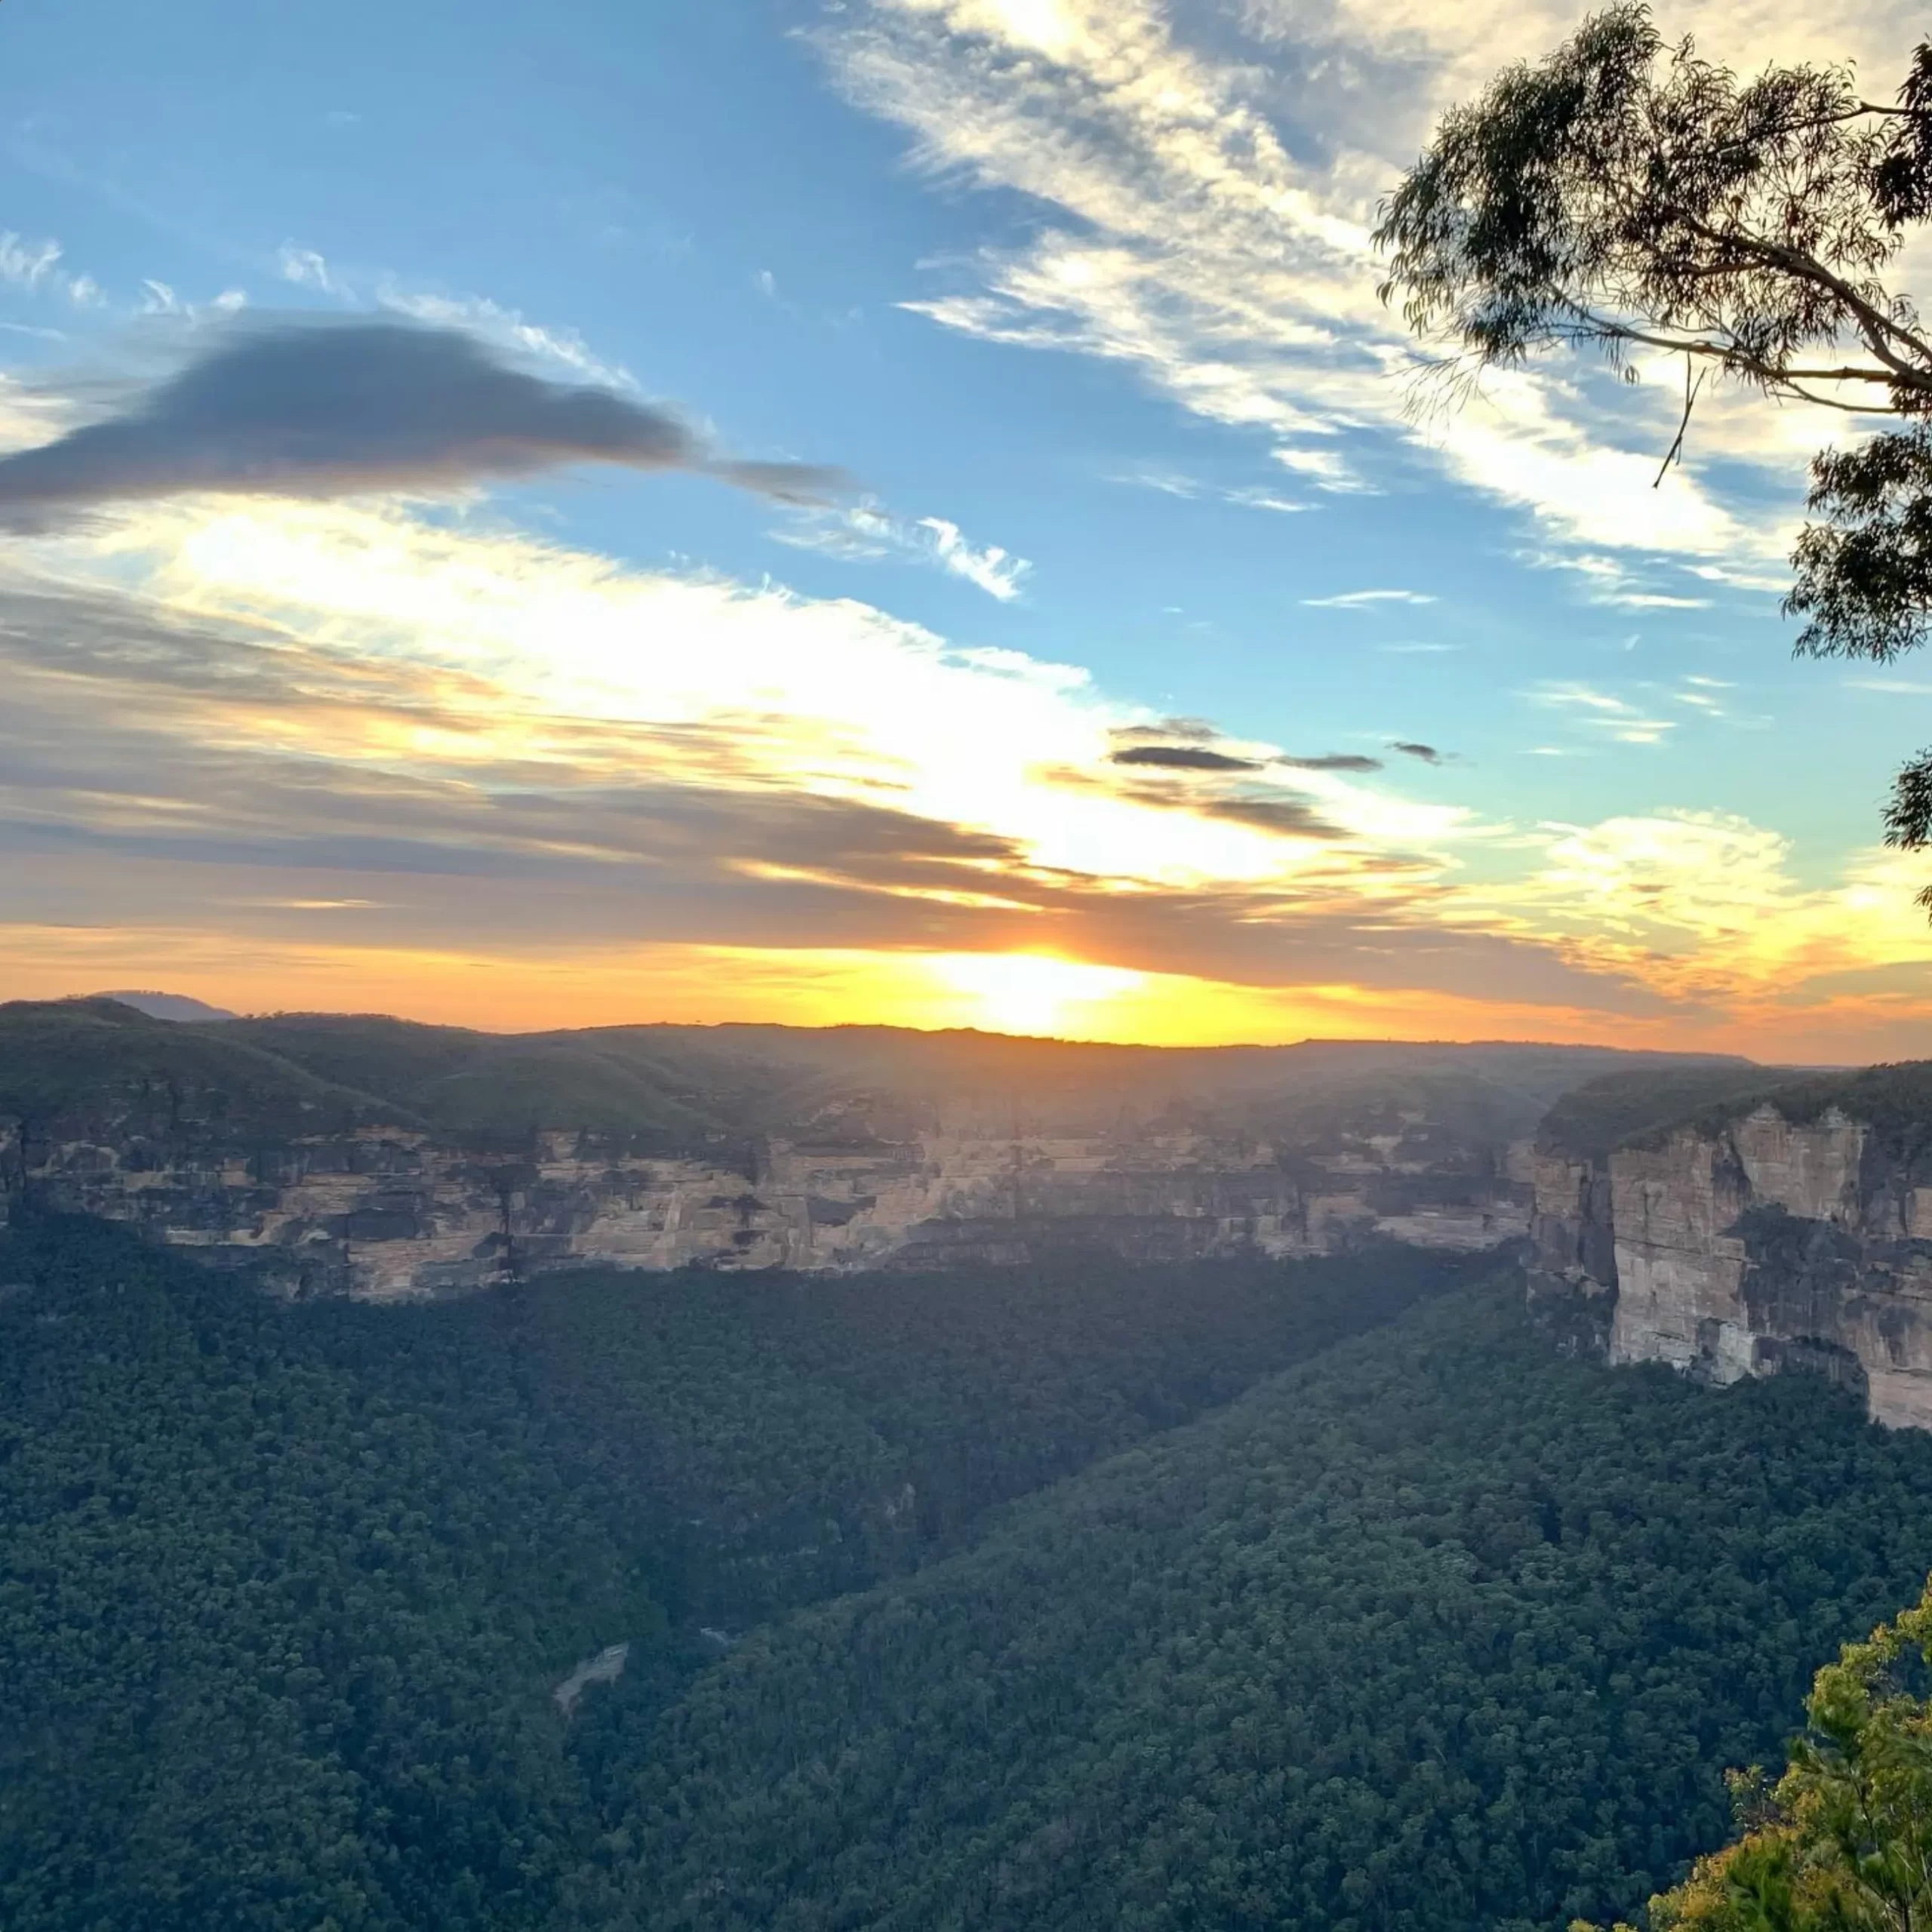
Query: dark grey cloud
[324,407]
[1427,753]
[1185,730]
[1333,761]
[1291,817]
[1184,757]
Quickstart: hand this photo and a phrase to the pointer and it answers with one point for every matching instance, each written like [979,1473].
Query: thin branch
[1770,373]
[1675,453]
[1857,113]
[1873,324]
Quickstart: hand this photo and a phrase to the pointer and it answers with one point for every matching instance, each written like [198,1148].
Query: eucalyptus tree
[1627,195]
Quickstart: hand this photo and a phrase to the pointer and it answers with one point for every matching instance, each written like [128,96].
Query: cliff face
[375,1157]
[1747,1246]
[385,1212]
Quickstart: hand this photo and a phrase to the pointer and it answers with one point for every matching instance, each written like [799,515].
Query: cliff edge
[372,1157]
[1736,1222]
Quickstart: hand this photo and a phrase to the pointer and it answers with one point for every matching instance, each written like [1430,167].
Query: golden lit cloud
[289,753]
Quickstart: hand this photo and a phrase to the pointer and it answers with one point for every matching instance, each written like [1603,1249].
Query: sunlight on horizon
[1026,992]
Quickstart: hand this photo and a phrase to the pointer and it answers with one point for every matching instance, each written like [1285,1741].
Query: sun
[1028,992]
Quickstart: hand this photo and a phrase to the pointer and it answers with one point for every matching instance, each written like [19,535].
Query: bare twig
[1675,453]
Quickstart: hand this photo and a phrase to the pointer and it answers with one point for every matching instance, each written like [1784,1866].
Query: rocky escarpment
[1788,1228]
[383,1211]
[377,1158]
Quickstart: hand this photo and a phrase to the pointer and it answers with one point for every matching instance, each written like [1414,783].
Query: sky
[901,511]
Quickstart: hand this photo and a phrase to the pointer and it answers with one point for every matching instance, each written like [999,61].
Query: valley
[713,1480]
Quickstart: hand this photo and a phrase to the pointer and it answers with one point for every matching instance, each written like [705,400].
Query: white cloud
[1175,483]
[308,270]
[35,268]
[1357,600]
[1264,499]
[989,567]
[508,329]
[1616,718]
[1211,178]
[869,533]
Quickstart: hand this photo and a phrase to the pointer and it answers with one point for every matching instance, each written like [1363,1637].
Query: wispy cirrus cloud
[1177,483]
[1207,204]
[35,268]
[868,532]
[508,330]
[1364,600]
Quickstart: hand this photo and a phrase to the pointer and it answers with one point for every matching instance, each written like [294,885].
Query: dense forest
[1325,1595]
[284,1591]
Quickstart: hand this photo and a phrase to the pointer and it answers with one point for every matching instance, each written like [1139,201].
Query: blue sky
[1076,296]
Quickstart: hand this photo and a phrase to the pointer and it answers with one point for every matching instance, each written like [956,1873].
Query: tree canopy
[1627,194]
[1844,1842]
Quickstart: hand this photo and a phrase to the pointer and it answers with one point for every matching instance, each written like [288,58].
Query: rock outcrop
[373,1157]
[1792,1229]
[385,1212]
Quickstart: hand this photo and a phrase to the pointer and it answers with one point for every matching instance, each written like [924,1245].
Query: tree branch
[1675,453]
[1872,323]
[1854,113]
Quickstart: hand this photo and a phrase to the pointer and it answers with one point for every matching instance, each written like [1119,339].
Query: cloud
[1357,600]
[868,532]
[991,569]
[1428,754]
[1333,761]
[505,329]
[267,726]
[332,408]
[307,269]
[1293,818]
[1175,483]
[35,267]
[1628,723]
[1183,758]
[1204,182]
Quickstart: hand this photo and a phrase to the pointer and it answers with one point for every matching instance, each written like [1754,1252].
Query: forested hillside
[284,1591]
[1427,1628]
[1438,1632]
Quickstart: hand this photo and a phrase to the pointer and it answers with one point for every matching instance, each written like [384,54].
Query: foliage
[1435,1633]
[1001,1597]
[1894,1102]
[1630,195]
[1606,1113]
[60,1055]
[284,1590]
[1844,1843]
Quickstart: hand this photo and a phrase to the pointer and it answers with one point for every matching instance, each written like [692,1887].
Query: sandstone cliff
[1790,1226]
[384,1211]
[371,1157]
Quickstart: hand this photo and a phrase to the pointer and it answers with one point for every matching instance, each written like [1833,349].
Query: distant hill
[167,1006]
[693,1086]
[103,1063]
[695,1080]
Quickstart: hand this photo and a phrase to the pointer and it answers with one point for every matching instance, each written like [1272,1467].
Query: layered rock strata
[383,1211]
[1741,1249]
